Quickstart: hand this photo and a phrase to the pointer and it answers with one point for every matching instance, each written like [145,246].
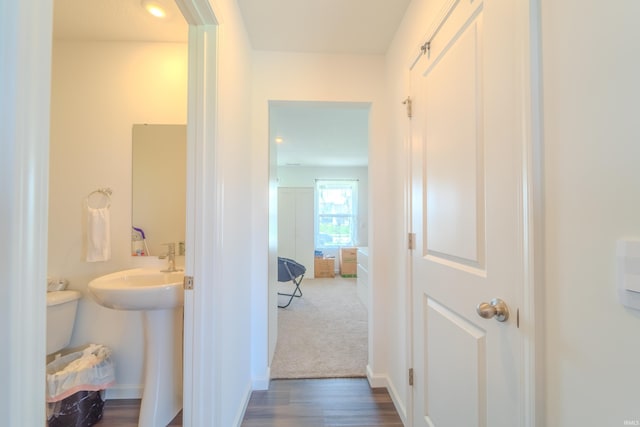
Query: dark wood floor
[320,403]
[294,403]
[125,412]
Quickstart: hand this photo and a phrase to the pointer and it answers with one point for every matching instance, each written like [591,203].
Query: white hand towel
[98,234]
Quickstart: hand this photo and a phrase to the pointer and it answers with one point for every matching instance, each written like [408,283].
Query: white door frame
[203,221]
[25,91]
[25,67]
[532,315]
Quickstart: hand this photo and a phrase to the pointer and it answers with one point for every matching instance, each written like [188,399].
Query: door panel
[467,217]
[456,395]
[453,161]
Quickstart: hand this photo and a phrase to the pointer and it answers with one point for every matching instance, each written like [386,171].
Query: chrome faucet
[171,258]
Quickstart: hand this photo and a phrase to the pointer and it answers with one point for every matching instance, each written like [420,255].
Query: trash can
[75,387]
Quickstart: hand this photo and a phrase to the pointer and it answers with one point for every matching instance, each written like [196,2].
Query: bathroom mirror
[159,182]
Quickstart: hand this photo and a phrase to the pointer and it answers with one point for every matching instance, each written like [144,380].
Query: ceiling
[320,133]
[322,26]
[116,20]
[315,26]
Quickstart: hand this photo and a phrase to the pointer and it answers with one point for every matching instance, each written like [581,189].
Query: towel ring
[106,195]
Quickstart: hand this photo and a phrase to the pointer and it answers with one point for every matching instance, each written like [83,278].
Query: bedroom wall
[99,90]
[301,176]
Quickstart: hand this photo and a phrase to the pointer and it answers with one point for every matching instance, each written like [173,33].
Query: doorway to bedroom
[323,192]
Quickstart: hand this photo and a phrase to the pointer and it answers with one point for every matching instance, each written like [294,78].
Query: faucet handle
[171,258]
[171,248]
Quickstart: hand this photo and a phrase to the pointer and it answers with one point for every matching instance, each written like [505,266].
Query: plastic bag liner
[87,370]
[81,409]
[74,386]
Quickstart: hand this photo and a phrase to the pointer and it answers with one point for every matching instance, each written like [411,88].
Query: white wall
[234,293]
[301,176]
[591,153]
[317,77]
[99,90]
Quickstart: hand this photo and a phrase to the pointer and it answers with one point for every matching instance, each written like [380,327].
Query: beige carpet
[323,334]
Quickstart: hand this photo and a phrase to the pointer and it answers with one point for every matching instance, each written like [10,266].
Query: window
[337,213]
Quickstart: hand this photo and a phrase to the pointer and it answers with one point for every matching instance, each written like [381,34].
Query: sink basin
[139,289]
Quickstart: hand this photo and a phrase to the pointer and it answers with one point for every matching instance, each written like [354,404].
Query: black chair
[289,270]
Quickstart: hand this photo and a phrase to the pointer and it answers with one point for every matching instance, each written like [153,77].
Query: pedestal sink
[160,295]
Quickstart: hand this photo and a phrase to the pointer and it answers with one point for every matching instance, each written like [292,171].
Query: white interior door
[467,216]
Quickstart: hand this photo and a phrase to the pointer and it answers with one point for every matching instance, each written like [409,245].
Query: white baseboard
[243,407]
[397,402]
[124,391]
[383,381]
[376,380]
[262,382]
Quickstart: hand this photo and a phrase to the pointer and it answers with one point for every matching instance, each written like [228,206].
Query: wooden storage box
[324,267]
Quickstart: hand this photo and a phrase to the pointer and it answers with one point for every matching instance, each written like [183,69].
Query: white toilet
[61,314]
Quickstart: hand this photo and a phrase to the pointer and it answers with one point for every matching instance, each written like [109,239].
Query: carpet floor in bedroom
[322,334]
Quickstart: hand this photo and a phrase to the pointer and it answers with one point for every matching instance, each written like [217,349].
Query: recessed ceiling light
[155,8]
[279,140]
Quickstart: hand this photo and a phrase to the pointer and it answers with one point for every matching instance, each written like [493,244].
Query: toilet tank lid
[60,297]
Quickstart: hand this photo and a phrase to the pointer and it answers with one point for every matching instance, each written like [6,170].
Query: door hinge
[412,240]
[188,283]
[410,376]
[407,102]
[425,48]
